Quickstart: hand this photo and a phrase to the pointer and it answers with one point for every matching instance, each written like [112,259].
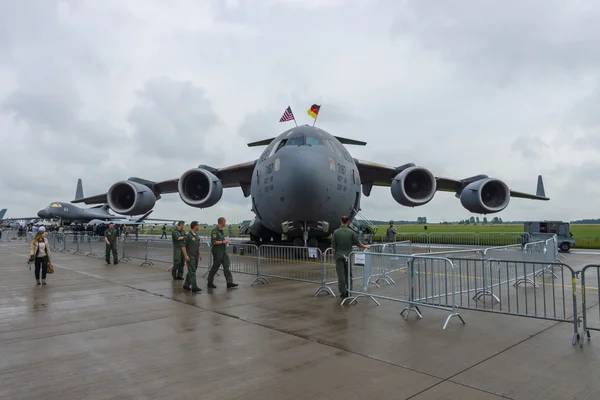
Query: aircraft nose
[307,186]
[43,214]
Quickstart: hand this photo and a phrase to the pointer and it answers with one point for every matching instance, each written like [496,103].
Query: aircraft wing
[18,219]
[382,175]
[239,175]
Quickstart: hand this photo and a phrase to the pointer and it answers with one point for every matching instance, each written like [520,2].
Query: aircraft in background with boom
[303,183]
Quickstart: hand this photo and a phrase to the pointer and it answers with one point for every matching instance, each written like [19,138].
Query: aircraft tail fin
[2,212]
[540,192]
[143,217]
[79,190]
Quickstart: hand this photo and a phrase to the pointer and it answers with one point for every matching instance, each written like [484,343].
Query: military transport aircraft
[303,183]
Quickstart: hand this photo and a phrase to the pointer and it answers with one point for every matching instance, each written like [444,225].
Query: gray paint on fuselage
[70,212]
[315,181]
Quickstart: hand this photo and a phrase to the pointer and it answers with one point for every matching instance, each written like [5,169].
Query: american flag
[287,115]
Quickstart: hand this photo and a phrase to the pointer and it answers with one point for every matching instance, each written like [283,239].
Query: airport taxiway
[125,331]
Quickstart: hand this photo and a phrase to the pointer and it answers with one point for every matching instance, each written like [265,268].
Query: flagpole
[315,121]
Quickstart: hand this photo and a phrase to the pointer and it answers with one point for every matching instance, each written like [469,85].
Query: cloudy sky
[105,90]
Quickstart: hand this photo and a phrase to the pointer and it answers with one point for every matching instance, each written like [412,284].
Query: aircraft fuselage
[70,213]
[305,177]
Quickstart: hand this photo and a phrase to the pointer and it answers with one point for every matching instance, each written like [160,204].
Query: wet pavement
[130,331]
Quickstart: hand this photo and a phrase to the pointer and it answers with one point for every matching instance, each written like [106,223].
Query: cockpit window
[295,141]
[54,205]
[274,149]
[314,141]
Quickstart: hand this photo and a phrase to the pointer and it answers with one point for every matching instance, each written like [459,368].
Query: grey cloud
[173,120]
[118,90]
[498,41]
[530,147]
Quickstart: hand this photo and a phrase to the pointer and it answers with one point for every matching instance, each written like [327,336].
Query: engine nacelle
[130,198]
[414,186]
[486,196]
[200,188]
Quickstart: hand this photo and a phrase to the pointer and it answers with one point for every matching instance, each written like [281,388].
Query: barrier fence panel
[9,235]
[590,298]
[421,280]
[511,287]
[300,264]
[386,268]
[443,239]
[329,272]
[243,259]
[516,287]
[495,239]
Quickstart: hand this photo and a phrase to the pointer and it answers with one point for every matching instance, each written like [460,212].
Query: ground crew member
[342,240]
[191,252]
[220,256]
[178,258]
[112,243]
[391,232]
[164,232]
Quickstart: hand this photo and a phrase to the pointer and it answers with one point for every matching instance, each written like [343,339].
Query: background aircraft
[68,213]
[303,183]
[4,221]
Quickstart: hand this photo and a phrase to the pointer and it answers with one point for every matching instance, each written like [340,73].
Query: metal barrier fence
[590,322]
[436,240]
[9,235]
[522,280]
[515,287]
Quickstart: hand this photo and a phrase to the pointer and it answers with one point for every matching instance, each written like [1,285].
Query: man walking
[220,256]
[191,252]
[342,240]
[112,243]
[178,259]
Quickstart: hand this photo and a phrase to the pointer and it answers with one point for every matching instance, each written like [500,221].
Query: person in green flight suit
[191,252]
[220,256]
[178,235]
[112,243]
[342,240]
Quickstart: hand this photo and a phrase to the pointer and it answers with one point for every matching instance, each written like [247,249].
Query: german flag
[314,110]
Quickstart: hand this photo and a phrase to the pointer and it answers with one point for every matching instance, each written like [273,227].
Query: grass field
[586,236]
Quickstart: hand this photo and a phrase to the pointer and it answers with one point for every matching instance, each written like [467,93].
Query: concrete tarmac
[131,332]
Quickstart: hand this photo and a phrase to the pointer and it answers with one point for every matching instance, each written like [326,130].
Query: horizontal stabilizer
[540,193]
[344,140]
[98,199]
[264,142]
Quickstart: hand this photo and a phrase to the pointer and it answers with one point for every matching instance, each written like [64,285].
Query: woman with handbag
[39,251]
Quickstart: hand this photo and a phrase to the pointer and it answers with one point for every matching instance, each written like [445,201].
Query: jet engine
[130,198]
[486,196]
[414,186]
[200,188]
